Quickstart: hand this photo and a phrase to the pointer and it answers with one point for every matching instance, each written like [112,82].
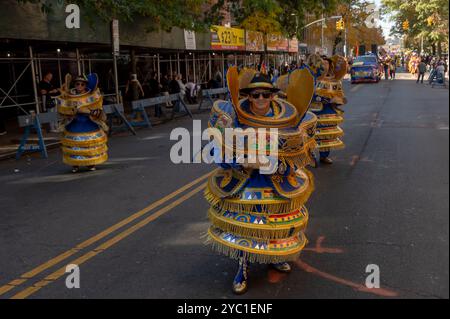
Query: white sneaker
[3,133]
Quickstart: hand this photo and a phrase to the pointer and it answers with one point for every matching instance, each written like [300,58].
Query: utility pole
[322,20]
[421,45]
[321,38]
[345,41]
[115,52]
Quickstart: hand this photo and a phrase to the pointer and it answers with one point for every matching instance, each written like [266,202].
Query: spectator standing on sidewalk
[47,92]
[421,71]
[174,86]
[179,79]
[441,70]
[192,90]
[2,123]
[155,87]
[218,78]
[165,88]
[133,89]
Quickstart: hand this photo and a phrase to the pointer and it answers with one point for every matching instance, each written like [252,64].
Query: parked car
[366,68]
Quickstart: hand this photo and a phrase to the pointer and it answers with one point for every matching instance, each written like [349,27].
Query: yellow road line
[109,243]
[52,262]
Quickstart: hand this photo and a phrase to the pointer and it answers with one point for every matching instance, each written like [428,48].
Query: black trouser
[2,121]
[418,77]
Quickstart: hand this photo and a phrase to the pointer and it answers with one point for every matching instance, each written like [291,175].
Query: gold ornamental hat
[259,81]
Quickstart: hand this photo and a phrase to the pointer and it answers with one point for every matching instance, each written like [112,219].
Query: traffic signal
[406,25]
[340,24]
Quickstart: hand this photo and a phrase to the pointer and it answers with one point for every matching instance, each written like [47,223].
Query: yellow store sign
[223,38]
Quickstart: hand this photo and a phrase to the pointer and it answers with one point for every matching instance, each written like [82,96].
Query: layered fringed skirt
[259,217]
[328,132]
[84,142]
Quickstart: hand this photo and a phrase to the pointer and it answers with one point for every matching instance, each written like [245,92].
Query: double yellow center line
[107,244]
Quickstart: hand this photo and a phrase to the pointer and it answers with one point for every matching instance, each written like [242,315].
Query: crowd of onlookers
[419,65]
[163,86]
[170,84]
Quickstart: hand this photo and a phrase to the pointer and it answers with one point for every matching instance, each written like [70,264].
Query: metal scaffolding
[198,67]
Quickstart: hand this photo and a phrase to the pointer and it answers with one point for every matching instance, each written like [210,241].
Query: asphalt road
[384,201]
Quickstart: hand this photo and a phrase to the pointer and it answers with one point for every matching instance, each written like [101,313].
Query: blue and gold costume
[84,138]
[328,98]
[257,217]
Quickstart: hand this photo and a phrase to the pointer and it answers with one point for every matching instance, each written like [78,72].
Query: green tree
[285,17]
[428,22]
[197,15]
[355,13]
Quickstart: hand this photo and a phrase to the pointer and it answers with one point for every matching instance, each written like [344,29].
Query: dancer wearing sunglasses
[257,216]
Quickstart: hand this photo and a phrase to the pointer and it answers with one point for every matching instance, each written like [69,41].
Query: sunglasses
[265,95]
[80,84]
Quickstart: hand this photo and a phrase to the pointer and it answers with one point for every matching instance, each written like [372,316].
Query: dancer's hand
[96,113]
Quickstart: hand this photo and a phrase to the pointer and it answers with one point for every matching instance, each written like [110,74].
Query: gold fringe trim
[289,151]
[72,110]
[92,151]
[298,162]
[327,148]
[304,159]
[280,206]
[89,143]
[268,231]
[87,162]
[329,121]
[329,136]
[254,255]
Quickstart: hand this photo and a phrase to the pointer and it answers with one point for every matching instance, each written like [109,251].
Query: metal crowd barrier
[34,121]
[116,111]
[210,93]
[140,108]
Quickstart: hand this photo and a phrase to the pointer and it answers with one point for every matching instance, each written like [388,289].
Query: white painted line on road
[152,137]
[355,88]
[131,159]
[57,178]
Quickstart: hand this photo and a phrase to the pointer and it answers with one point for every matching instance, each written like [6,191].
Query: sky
[386,25]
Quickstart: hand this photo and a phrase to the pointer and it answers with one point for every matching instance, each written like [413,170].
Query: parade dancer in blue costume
[328,99]
[260,217]
[84,127]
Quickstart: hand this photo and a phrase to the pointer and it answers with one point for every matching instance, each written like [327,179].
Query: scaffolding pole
[209,66]
[33,74]
[116,78]
[59,73]
[193,69]
[78,60]
[223,70]
[159,68]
